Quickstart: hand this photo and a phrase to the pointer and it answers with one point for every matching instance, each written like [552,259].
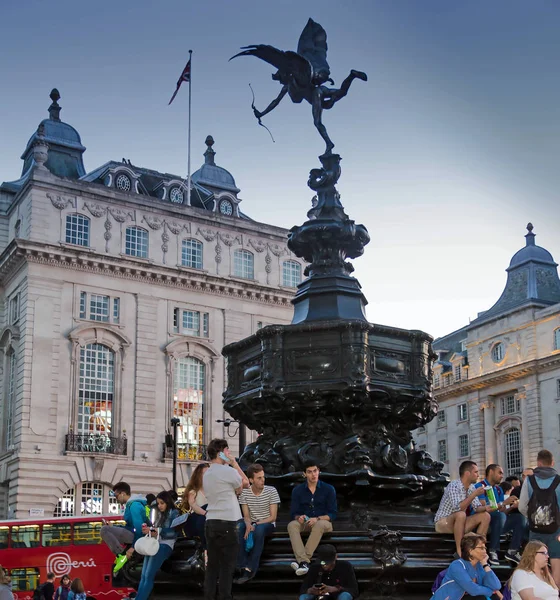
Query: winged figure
[303,75]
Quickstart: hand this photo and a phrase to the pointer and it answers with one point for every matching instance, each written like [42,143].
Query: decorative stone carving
[207,234]
[228,239]
[386,547]
[120,215]
[154,223]
[97,210]
[60,202]
[258,245]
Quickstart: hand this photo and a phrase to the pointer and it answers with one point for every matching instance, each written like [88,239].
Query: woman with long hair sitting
[470,576]
[532,577]
[166,513]
[195,501]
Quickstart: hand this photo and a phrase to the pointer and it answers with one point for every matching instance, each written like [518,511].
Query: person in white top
[221,485]
[532,579]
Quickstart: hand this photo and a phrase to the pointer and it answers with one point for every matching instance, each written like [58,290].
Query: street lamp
[174,423]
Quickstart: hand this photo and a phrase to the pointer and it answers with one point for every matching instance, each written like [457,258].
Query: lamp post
[174,423]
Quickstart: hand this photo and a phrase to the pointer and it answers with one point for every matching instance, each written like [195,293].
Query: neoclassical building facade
[117,298]
[497,380]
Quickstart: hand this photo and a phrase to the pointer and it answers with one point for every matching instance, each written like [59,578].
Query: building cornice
[512,373]
[82,259]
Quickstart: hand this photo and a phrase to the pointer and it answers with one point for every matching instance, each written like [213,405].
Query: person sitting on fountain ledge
[329,577]
[312,510]
[458,496]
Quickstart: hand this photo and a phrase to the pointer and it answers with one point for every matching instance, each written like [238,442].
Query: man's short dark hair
[51,575]
[490,468]
[310,464]
[466,465]
[253,470]
[511,478]
[122,486]
[216,446]
[545,457]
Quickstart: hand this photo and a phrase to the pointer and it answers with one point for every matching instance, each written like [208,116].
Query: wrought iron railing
[96,443]
[186,452]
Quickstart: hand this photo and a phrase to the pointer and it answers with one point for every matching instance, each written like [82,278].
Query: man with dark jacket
[544,477]
[328,575]
[48,587]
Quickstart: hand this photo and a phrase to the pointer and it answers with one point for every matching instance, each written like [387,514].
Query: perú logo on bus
[61,563]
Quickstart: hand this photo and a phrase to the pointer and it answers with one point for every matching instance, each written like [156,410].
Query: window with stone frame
[457,371]
[437,380]
[464,449]
[442,450]
[191,322]
[462,412]
[136,242]
[557,339]
[446,379]
[509,405]
[14,309]
[191,254]
[243,264]
[513,451]
[93,499]
[498,352]
[96,389]
[77,230]
[99,307]
[189,388]
[10,395]
[441,418]
[291,273]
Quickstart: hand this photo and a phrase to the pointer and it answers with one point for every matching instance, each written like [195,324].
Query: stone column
[525,444]
[491,451]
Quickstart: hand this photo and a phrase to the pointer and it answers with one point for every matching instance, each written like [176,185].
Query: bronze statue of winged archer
[303,75]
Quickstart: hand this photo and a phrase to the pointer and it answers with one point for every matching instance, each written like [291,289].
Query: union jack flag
[185,76]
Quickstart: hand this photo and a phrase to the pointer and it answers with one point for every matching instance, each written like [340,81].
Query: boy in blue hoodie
[121,538]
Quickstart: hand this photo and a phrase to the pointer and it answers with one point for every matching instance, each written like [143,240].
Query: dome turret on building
[211,175]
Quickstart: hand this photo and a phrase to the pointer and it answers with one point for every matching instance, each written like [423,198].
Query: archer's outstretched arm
[273,104]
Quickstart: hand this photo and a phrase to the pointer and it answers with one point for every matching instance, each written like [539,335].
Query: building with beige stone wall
[117,298]
[497,380]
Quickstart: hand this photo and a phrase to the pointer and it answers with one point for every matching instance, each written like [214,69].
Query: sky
[449,149]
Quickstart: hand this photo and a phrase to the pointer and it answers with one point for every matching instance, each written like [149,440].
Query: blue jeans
[250,560]
[149,569]
[497,522]
[517,524]
[341,596]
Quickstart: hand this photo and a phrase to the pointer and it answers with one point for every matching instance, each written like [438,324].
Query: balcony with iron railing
[96,443]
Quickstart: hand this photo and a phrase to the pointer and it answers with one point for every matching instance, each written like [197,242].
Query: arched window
[512,440]
[557,339]
[498,352]
[191,254]
[10,400]
[96,389]
[136,242]
[243,264]
[189,386]
[77,230]
[92,499]
[291,273]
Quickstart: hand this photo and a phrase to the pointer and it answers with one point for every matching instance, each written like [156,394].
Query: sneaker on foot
[513,557]
[302,569]
[295,565]
[493,558]
[245,576]
[119,563]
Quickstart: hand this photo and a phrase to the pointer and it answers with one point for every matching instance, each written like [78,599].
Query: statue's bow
[258,118]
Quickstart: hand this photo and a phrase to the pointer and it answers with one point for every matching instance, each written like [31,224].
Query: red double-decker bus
[31,548]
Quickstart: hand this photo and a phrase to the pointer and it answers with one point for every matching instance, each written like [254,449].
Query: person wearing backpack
[540,503]
[48,587]
[121,539]
[63,589]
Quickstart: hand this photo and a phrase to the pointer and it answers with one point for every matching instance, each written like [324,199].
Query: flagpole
[189,138]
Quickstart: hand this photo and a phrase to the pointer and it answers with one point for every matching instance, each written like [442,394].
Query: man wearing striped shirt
[259,504]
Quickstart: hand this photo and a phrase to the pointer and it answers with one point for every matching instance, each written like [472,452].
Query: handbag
[147,545]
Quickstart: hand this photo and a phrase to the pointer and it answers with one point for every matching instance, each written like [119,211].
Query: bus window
[56,535]
[24,580]
[25,536]
[87,533]
[4,537]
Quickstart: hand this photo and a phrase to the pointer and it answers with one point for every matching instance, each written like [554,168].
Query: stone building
[497,380]
[117,298]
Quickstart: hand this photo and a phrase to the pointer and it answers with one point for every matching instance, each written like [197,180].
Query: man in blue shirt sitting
[313,510]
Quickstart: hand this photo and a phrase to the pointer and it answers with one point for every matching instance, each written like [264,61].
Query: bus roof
[47,520]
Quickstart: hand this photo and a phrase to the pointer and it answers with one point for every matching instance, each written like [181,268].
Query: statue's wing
[312,45]
[288,63]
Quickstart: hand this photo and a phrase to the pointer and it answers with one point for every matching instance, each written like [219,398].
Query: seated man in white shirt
[259,504]
[451,516]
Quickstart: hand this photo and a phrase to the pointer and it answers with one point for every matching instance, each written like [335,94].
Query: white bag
[147,545]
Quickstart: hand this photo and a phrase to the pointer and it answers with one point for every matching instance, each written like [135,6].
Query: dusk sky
[449,149]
